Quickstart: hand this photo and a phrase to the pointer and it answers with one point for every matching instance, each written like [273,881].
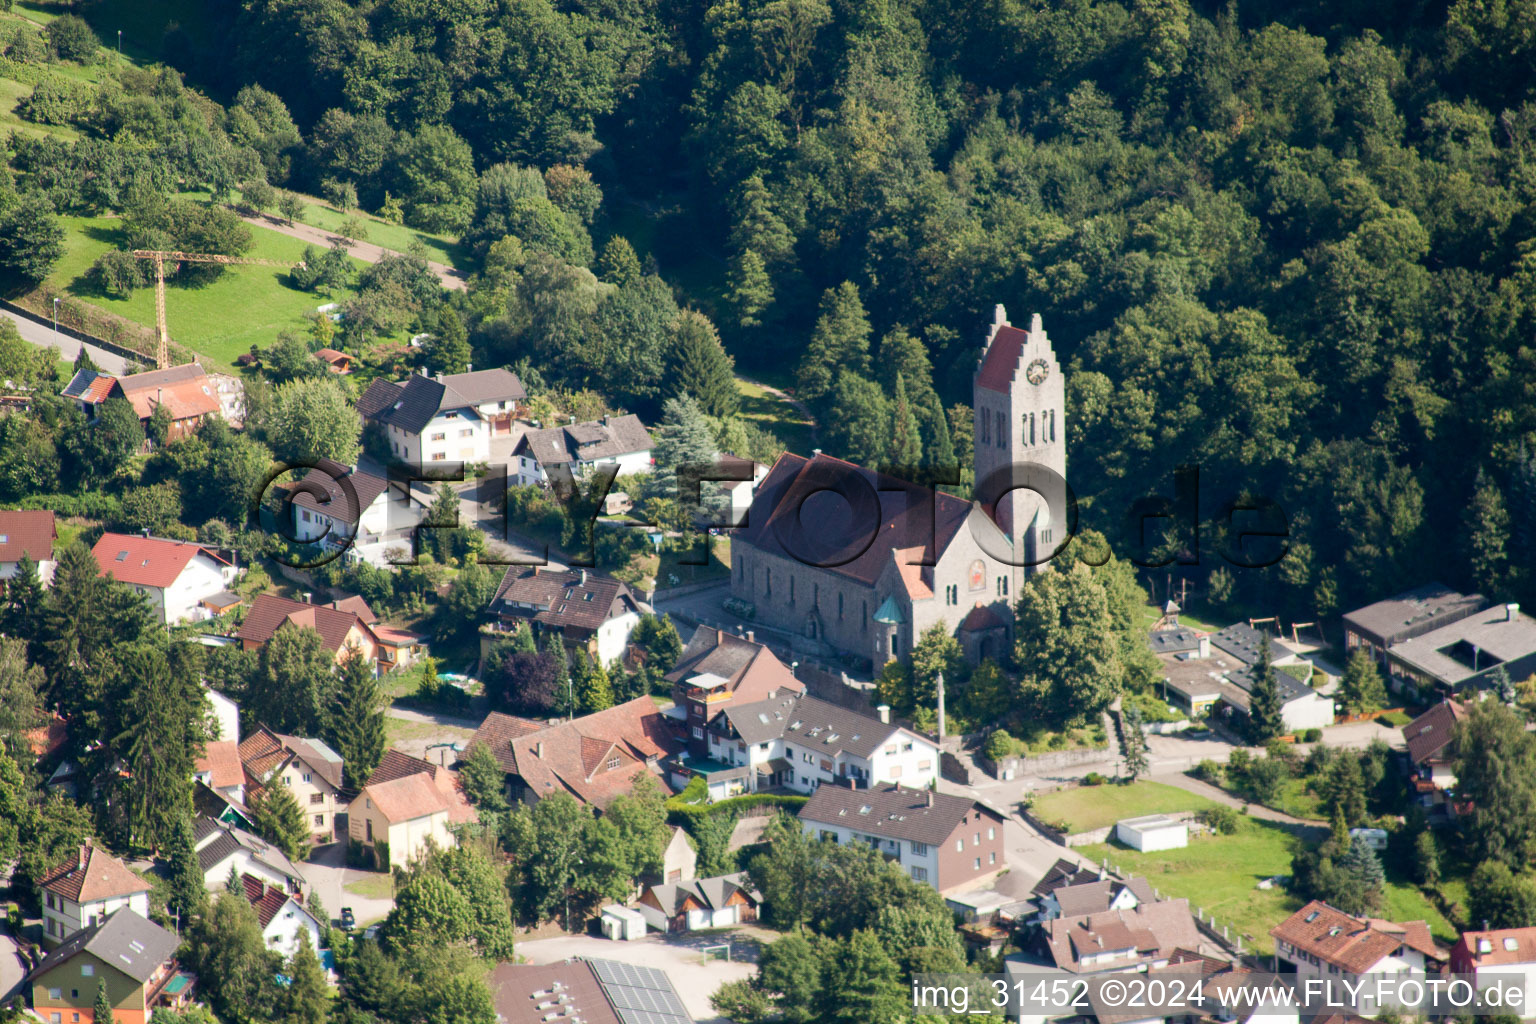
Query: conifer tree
[858,420]
[618,264]
[565,695]
[163,719]
[522,639]
[749,288]
[594,689]
[686,440]
[1486,537]
[21,687]
[700,367]
[757,228]
[1264,706]
[1366,879]
[280,819]
[357,721]
[447,350]
[186,876]
[1361,689]
[101,1009]
[1135,744]
[906,448]
[24,599]
[839,342]
[307,996]
[1496,773]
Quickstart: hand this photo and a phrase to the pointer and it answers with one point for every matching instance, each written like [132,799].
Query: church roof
[862,518]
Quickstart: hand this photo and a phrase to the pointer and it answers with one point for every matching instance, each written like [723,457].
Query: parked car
[348,921]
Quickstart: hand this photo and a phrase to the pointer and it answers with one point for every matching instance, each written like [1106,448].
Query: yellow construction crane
[163,336]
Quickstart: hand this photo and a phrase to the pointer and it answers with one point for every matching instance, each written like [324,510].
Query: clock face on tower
[1037,371]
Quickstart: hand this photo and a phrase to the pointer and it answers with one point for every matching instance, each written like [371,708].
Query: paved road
[68,347]
[11,970]
[366,251]
[327,874]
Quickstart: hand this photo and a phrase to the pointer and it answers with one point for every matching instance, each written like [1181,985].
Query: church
[852,562]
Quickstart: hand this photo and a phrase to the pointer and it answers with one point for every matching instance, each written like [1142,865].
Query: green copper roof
[889,613]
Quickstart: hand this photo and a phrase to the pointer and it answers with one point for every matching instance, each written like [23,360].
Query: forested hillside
[1289,243]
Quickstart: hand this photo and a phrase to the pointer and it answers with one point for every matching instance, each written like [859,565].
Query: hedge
[685,814]
[91,505]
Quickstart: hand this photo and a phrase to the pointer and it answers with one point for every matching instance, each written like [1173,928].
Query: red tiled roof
[574,601]
[565,757]
[27,531]
[1147,931]
[397,764]
[265,898]
[1001,364]
[1505,946]
[264,751]
[146,561]
[752,671]
[1429,734]
[186,391]
[498,731]
[269,612]
[408,797]
[222,763]
[1352,944]
[357,606]
[92,874]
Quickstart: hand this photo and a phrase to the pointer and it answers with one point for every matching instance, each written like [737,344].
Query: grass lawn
[774,414]
[222,320]
[1220,874]
[440,248]
[399,730]
[1396,719]
[376,887]
[1085,808]
[718,567]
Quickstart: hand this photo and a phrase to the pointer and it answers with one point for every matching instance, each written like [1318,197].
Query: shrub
[1094,779]
[72,39]
[1000,745]
[56,101]
[1311,735]
[1208,771]
[1221,820]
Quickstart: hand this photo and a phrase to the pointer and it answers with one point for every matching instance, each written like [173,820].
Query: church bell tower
[1020,419]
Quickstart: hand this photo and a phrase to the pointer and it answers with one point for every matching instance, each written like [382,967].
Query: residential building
[450,418]
[576,449]
[306,766]
[349,508]
[799,743]
[134,958]
[738,493]
[220,769]
[692,904]
[282,916]
[1430,756]
[400,820]
[948,842]
[1213,674]
[342,628]
[1094,895]
[186,392]
[174,576]
[224,849]
[1319,940]
[589,610]
[90,389]
[586,990]
[223,715]
[1467,653]
[86,888]
[1499,956]
[717,669]
[888,559]
[595,758]
[1146,936]
[28,532]
[1378,627]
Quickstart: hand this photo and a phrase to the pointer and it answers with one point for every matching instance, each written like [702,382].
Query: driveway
[695,978]
[43,336]
[11,965]
[423,733]
[327,874]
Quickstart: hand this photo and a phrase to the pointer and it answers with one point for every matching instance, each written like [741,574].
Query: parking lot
[694,977]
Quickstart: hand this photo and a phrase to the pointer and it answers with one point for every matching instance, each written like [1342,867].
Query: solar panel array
[640,995]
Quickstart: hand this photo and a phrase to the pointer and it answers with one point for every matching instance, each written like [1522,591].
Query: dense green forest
[1289,243]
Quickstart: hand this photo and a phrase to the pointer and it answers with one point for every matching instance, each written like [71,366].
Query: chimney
[538,749]
[1510,611]
[308,597]
[749,637]
[144,531]
[438,378]
[930,798]
[1203,647]
[815,452]
[885,713]
[469,367]
[80,857]
[583,577]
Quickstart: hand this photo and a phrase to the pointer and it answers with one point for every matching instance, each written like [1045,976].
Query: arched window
[767,581]
[978,575]
[1002,431]
[839,607]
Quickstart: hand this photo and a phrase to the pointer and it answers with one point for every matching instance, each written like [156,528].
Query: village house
[1430,757]
[586,990]
[446,418]
[308,768]
[800,743]
[948,842]
[282,916]
[188,393]
[343,507]
[718,669]
[343,625]
[395,815]
[1319,940]
[1211,673]
[133,958]
[692,904]
[174,576]
[1080,899]
[1466,654]
[1505,956]
[224,849]
[31,533]
[589,610]
[84,889]
[595,758]
[738,493]
[577,449]
[219,769]
[1149,935]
